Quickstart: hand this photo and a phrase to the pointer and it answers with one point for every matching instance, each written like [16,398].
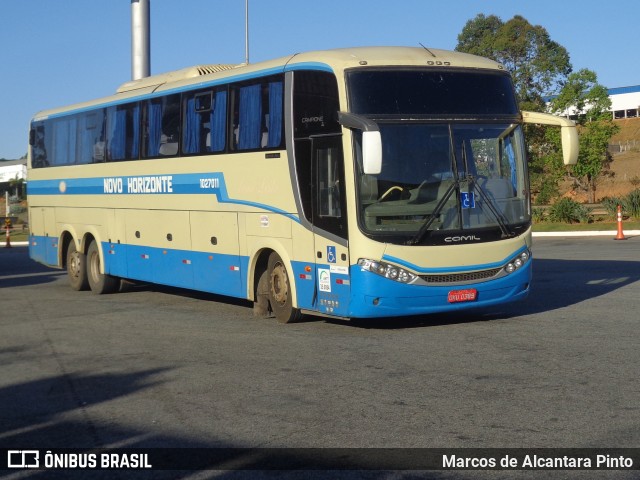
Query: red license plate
[469,295]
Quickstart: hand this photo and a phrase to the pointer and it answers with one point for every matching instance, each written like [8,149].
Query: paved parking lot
[156,367]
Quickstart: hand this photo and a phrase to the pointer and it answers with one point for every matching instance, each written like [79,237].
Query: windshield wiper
[417,238]
[502,221]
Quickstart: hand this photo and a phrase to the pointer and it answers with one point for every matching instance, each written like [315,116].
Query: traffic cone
[620,235]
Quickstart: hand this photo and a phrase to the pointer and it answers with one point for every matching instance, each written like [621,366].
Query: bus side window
[123,132]
[162,126]
[204,122]
[90,141]
[272,136]
[65,130]
[217,123]
[258,115]
[38,145]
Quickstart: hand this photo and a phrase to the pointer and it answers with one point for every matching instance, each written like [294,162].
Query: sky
[58,52]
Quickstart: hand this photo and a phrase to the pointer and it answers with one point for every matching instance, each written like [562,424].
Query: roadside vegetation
[568,214]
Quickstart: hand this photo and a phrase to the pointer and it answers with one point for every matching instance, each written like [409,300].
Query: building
[11,170]
[625,102]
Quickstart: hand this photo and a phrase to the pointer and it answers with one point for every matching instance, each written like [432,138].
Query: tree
[538,65]
[585,99]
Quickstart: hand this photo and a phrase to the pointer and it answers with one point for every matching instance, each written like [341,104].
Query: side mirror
[371,153]
[371,141]
[568,133]
[570,144]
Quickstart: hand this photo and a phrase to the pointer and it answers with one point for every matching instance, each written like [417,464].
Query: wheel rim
[74,265]
[279,284]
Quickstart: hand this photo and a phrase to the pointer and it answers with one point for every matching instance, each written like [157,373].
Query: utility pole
[140,39]
[246,32]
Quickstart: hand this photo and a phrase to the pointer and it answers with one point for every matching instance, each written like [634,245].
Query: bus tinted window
[427,92]
[192,123]
[69,140]
[316,104]
[315,112]
[204,122]
[257,115]
[161,126]
[37,139]
[90,141]
[123,132]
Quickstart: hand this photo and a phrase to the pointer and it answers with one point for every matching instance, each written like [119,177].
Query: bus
[351,183]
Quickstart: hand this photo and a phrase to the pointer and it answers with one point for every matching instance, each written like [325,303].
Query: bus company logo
[462,238]
[23,459]
[143,184]
[319,120]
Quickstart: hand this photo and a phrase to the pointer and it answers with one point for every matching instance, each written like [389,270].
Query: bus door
[332,289]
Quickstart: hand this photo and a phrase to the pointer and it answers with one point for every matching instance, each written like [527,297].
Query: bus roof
[330,60]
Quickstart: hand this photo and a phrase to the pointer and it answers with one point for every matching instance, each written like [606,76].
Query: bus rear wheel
[100,283]
[76,268]
[280,291]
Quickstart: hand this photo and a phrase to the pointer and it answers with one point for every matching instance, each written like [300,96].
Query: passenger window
[162,126]
[257,115]
[205,117]
[39,138]
[90,141]
[65,130]
[123,132]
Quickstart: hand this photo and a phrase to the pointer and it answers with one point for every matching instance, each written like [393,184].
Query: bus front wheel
[280,291]
[100,283]
[76,268]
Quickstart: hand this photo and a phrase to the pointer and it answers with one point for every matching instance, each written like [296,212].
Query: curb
[597,233]
[15,244]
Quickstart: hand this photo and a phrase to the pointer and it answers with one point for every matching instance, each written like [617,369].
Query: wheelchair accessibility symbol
[331,254]
[468,199]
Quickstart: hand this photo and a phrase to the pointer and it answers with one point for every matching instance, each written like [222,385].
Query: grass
[16,236]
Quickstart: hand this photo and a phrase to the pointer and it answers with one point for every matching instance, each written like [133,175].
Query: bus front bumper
[376,296]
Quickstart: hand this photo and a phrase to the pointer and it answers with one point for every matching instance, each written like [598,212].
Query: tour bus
[350,183]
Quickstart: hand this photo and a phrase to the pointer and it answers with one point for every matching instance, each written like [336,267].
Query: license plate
[469,295]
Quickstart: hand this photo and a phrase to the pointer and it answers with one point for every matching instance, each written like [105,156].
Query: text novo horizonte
[146,184]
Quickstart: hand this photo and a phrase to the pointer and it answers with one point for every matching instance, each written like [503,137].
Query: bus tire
[76,268]
[100,283]
[280,291]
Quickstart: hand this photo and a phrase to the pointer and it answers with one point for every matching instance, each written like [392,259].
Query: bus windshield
[453,157]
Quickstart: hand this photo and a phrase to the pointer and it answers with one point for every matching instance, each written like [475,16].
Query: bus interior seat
[169,149]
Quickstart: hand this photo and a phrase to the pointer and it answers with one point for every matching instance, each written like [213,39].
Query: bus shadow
[63,414]
[556,284]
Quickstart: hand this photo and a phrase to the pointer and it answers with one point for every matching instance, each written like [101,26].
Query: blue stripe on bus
[44,250]
[360,294]
[168,184]
[204,271]
[196,86]
[465,268]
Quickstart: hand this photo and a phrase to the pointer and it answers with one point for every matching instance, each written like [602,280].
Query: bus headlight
[517,262]
[392,272]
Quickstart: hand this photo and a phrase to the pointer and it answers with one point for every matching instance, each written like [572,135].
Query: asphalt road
[157,367]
